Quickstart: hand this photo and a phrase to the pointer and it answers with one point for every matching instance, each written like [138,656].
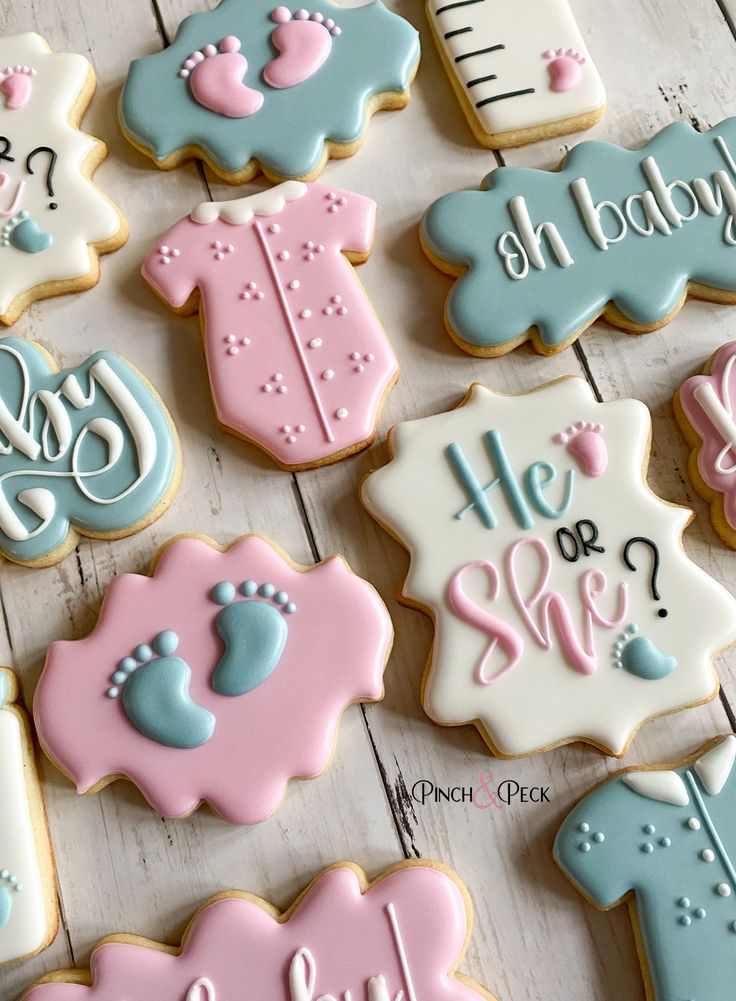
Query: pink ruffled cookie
[298,361]
[192,671]
[401,936]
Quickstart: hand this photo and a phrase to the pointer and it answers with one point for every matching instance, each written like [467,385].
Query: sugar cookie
[251,86]
[54,221]
[298,361]
[216,679]
[29,913]
[623,234]
[660,838]
[521,70]
[565,607]
[89,450]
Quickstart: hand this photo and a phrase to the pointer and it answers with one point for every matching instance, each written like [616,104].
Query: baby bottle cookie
[624,234]
[29,915]
[664,839]
[216,679]
[54,221]
[89,450]
[521,70]
[565,607]
[298,361]
[254,86]
[400,936]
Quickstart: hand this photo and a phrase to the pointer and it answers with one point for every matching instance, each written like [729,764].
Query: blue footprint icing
[639,656]
[254,633]
[8,886]
[24,234]
[155,695]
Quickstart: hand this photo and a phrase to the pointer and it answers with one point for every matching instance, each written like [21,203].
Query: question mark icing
[640,539]
[49,170]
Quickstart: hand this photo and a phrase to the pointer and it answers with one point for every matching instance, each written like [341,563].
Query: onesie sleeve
[352,217]
[170,268]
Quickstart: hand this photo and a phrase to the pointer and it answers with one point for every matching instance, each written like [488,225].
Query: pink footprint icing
[304,43]
[16,84]
[215,77]
[565,69]
[585,441]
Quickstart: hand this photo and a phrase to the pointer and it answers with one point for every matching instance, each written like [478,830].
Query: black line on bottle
[457,31]
[481,79]
[503,97]
[452,6]
[478,52]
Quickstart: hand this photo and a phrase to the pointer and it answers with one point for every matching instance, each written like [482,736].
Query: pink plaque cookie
[193,674]
[705,407]
[297,358]
[400,937]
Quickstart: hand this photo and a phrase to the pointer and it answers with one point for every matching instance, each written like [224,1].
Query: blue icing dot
[584,828]
[120,677]
[585,847]
[267,590]
[281,597]
[249,588]
[685,920]
[647,849]
[665,842]
[699,912]
[223,593]
[290,608]
[683,902]
[649,828]
[166,643]
[143,652]
[128,664]
[599,837]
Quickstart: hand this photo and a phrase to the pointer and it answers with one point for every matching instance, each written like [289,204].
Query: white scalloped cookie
[564,605]
[54,221]
[29,916]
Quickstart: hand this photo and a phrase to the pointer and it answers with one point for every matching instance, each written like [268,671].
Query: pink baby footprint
[565,69]
[303,42]
[586,442]
[16,84]
[215,77]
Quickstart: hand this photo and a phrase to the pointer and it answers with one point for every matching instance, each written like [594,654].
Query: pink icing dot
[309,245]
[286,429]
[245,295]
[278,377]
[309,256]
[327,311]
[320,249]
[342,311]
[336,299]
[336,31]
[230,248]
[197,57]
[291,439]
[342,201]
[233,350]
[301,15]
[332,208]
[305,314]
[252,286]
[331,196]
[274,228]
[284,255]
[358,368]
[281,389]
[219,255]
[183,73]
[230,44]
[369,357]
[300,428]
[294,284]
[163,249]
[166,260]
[281,15]
[245,341]
[266,387]
[319,18]
[210,50]
[328,374]
[175,252]
[216,245]
[316,342]
[230,339]
[341,414]
[329,23]
[259,295]
[355,356]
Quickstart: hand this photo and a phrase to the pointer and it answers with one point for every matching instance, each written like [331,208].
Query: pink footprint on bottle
[565,69]
[303,42]
[586,442]
[16,84]
[215,77]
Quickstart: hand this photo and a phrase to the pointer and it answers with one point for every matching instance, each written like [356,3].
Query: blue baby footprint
[155,695]
[639,656]
[24,234]
[254,632]
[9,885]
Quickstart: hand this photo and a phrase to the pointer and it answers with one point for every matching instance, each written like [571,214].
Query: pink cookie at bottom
[336,637]
[401,937]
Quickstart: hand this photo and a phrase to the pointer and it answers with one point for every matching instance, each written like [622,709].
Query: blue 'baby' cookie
[252,86]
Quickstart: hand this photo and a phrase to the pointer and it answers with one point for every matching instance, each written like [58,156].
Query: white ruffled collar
[239,211]
[712,768]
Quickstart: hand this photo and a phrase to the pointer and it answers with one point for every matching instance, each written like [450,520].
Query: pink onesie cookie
[298,361]
[399,937]
[193,675]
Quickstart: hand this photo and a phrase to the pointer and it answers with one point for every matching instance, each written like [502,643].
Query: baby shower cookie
[89,450]
[252,86]
[564,605]
[627,235]
[661,839]
[704,407]
[521,70]
[193,672]
[400,936]
[29,914]
[298,361]
[54,221]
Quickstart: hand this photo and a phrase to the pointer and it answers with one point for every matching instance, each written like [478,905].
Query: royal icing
[517,66]
[668,837]
[193,673]
[707,404]
[547,252]
[297,358]
[251,84]
[25,855]
[554,576]
[396,939]
[53,219]
[87,450]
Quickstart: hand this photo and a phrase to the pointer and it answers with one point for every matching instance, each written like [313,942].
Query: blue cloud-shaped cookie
[251,85]
[540,255]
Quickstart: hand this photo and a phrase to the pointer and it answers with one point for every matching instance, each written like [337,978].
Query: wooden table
[123,868]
